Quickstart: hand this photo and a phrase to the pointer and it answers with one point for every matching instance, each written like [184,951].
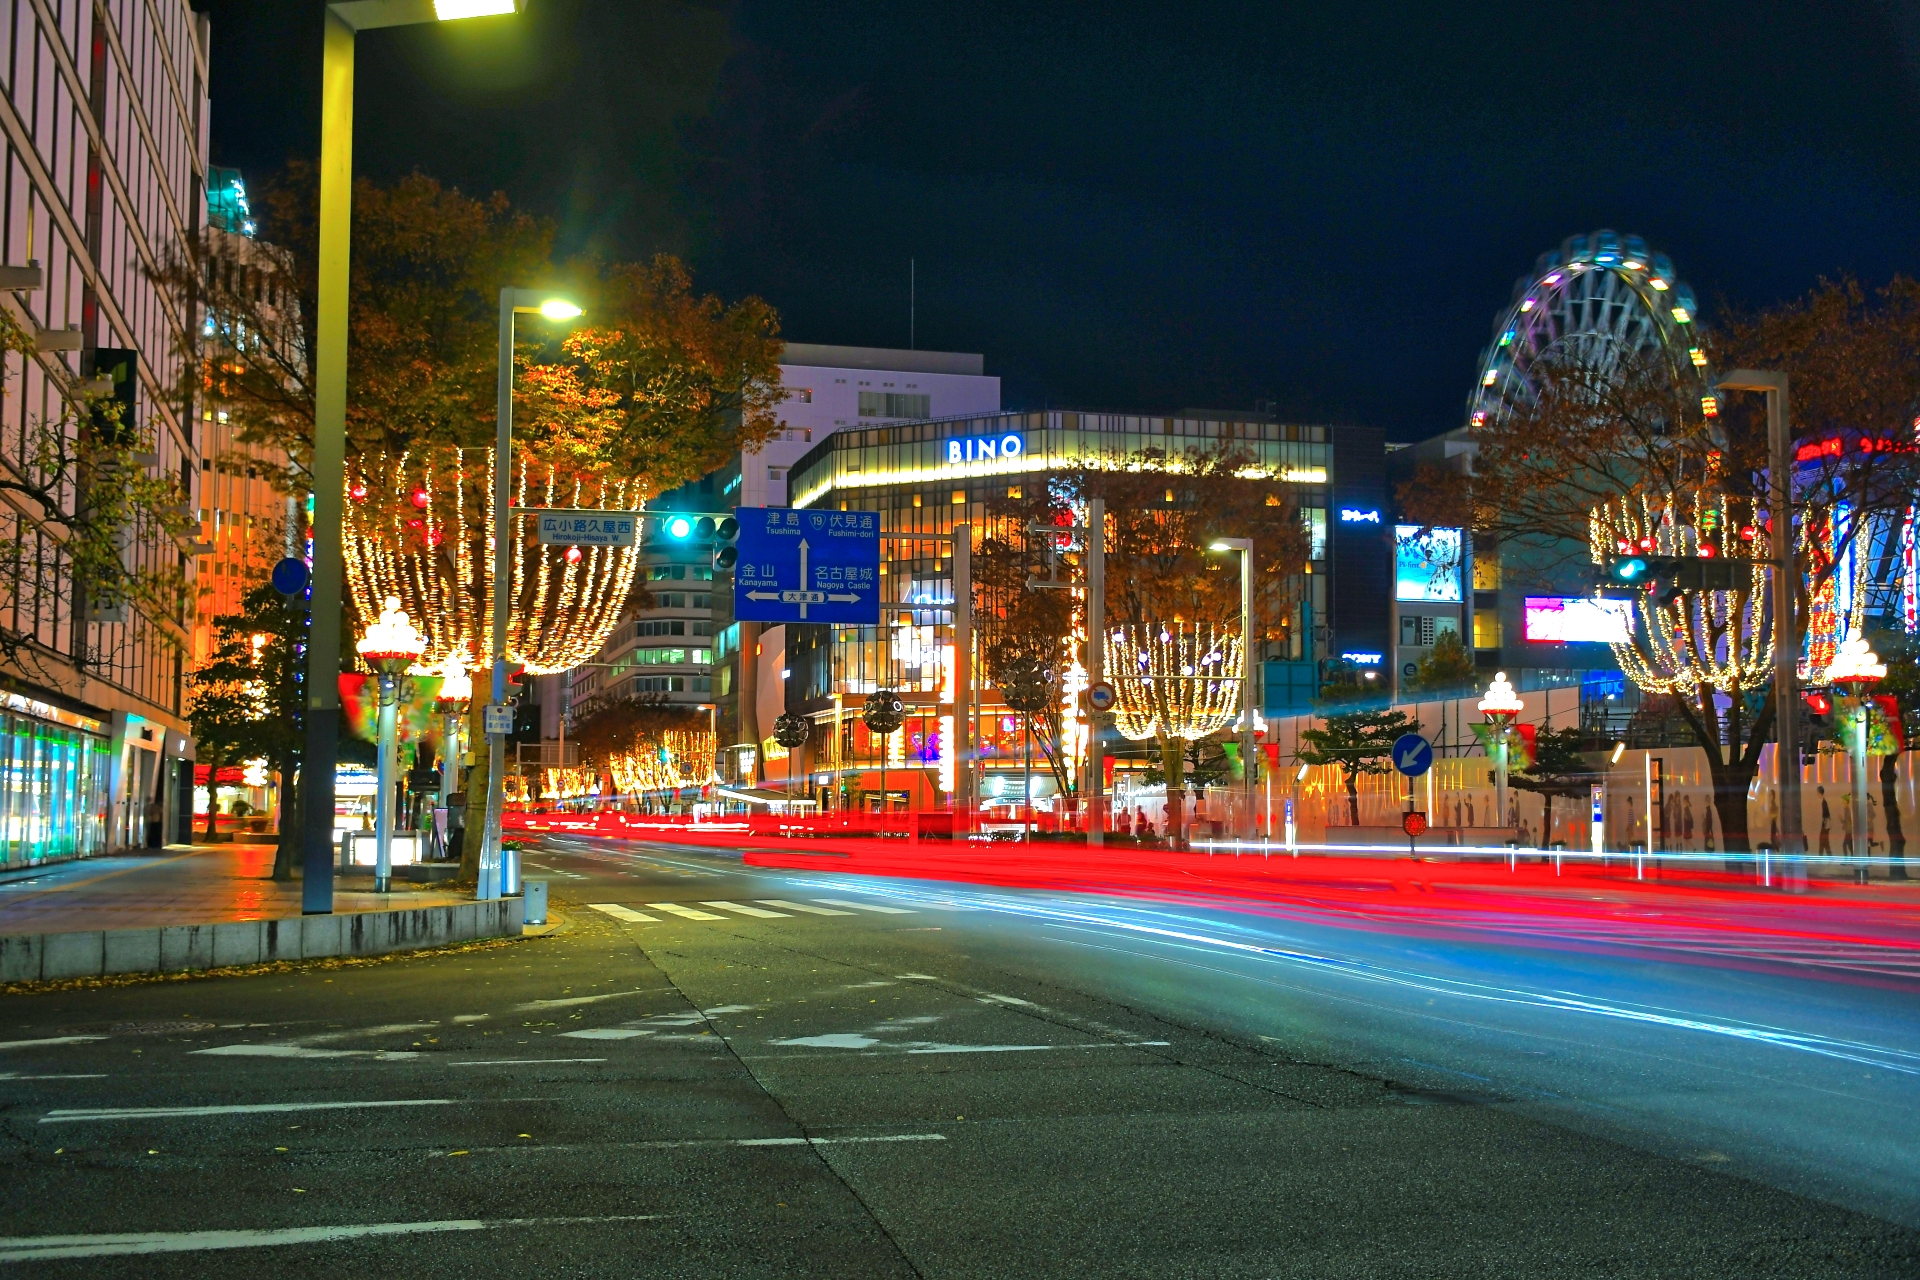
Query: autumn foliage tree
[1611,428]
[1164,512]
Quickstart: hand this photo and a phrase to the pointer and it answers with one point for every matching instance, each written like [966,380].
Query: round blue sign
[290,576]
[1412,754]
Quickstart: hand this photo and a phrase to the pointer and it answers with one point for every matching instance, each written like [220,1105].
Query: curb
[96,953]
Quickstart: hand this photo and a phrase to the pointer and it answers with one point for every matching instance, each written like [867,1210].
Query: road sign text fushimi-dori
[807,566]
[586,528]
[985,447]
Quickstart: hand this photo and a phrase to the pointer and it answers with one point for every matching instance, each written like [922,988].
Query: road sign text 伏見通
[807,566]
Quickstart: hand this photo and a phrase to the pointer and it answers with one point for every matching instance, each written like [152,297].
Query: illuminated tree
[1361,743]
[245,704]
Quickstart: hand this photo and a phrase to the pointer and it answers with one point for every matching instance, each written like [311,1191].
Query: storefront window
[53,790]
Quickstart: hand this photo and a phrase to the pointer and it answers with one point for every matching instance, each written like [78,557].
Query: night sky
[1146,206]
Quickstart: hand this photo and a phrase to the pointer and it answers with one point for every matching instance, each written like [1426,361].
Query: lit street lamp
[500,866]
[456,694]
[1501,707]
[1854,671]
[1245,547]
[329,466]
[390,646]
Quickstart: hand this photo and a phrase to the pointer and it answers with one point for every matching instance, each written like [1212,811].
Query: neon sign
[1362,659]
[982,449]
[1355,515]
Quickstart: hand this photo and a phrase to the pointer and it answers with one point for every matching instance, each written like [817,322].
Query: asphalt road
[740,1072]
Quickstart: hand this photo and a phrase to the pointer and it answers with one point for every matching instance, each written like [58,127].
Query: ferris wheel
[1597,300]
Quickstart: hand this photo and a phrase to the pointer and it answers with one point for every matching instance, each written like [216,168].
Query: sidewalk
[210,906]
[211,884]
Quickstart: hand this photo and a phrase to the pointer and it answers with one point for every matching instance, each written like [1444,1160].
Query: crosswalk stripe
[865,906]
[619,912]
[801,906]
[748,911]
[686,912]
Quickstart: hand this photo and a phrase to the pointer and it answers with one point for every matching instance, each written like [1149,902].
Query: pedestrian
[1686,824]
[1826,824]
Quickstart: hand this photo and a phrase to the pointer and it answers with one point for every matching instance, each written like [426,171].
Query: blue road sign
[1412,754]
[290,576]
[807,566]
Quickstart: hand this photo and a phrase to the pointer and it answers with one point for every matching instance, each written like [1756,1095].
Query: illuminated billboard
[1565,620]
[1426,564]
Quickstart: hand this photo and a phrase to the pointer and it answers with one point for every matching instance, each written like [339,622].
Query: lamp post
[1786,635]
[456,694]
[390,646]
[500,867]
[1855,670]
[1501,707]
[1245,547]
[329,467]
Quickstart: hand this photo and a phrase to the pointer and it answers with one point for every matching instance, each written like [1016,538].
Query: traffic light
[679,528]
[1628,571]
[1816,723]
[1678,573]
[726,532]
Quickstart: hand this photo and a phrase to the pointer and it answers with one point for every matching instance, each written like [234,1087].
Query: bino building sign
[985,448]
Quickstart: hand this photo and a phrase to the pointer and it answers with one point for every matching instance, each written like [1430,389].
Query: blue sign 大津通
[1412,754]
[807,566]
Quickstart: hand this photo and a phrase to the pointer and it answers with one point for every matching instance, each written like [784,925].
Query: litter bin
[534,895]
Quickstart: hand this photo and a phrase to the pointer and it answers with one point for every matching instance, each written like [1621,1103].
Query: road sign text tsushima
[807,566]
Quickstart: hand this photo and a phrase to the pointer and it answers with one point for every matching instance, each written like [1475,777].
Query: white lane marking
[835,1040]
[519,1062]
[674,908]
[565,1002]
[15,1075]
[386,1029]
[606,1033]
[70,1115]
[801,906]
[301,1051]
[34,1044]
[555,871]
[729,1008]
[471,1017]
[745,910]
[619,912]
[866,906]
[821,1142]
[919,977]
[36,1248]
[1025,1048]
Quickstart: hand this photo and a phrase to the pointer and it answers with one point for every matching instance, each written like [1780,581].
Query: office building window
[1486,573]
[1486,629]
[895,404]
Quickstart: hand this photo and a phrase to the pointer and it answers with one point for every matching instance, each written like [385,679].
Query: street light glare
[452,10]
[558,309]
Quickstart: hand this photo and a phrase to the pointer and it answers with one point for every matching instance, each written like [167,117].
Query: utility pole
[1786,636]
[1096,665]
[961,551]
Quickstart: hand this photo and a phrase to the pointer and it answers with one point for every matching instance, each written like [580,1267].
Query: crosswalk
[760,909]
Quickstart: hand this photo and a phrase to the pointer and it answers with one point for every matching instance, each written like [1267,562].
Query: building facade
[105,120]
[924,479]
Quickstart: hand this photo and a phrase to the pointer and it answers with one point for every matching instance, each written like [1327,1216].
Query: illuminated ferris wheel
[1596,301]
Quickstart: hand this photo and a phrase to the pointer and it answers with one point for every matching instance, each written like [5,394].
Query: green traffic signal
[1627,569]
[679,527]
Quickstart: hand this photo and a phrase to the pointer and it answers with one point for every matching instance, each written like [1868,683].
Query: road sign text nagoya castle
[807,566]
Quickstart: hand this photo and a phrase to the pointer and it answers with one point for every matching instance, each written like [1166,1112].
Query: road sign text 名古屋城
[807,566]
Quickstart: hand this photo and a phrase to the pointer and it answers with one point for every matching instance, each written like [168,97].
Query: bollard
[534,896]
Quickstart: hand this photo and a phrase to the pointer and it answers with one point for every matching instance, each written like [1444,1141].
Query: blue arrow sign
[807,566]
[290,576]
[1412,754]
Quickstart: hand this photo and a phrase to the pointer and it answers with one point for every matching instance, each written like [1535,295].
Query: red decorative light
[421,498]
[358,492]
[573,555]
[1746,533]
[1706,553]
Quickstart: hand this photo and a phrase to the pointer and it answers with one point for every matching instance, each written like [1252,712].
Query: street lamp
[1856,669]
[390,646]
[500,867]
[456,694]
[1245,547]
[329,466]
[1501,707]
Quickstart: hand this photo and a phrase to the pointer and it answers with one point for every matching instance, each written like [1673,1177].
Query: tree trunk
[1173,759]
[1353,796]
[1890,804]
[476,791]
[289,824]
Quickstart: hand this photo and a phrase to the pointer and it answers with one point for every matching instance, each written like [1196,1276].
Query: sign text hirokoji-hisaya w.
[982,448]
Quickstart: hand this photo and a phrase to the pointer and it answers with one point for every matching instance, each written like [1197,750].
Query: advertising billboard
[1426,564]
[1567,620]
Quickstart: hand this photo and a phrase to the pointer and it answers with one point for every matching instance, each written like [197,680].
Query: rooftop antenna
[912,299]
